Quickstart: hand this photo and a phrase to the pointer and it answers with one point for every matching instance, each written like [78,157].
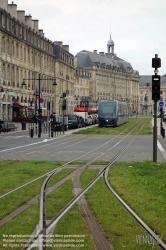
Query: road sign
[161,104]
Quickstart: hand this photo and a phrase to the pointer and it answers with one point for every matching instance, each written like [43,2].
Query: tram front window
[108,112]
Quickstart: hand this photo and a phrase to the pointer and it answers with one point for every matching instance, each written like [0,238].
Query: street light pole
[39,109]
[39,113]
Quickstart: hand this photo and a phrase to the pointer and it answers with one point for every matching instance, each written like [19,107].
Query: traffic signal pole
[64,108]
[155,133]
[156,63]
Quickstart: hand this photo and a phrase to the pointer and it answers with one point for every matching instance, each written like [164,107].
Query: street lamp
[2,90]
[39,110]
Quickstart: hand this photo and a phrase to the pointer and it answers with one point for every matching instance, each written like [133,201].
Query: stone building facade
[24,54]
[64,73]
[111,77]
[82,85]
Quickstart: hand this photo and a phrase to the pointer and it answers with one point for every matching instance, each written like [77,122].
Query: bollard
[163,132]
[52,132]
[49,129]
[36,129]
[56,130]
[46,127]
[32,132]
[29,131]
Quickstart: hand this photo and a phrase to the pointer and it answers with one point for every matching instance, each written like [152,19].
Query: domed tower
[110,44]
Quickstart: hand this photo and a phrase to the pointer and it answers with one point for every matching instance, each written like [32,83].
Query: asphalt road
[20,146]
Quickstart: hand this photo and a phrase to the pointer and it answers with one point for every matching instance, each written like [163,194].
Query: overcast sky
[137,27]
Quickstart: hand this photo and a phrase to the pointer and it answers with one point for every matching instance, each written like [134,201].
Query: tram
[112,113]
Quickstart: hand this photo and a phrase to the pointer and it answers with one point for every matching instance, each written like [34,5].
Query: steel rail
[30,182]
[61,167]
[50,226]
[57,169]
[131,211]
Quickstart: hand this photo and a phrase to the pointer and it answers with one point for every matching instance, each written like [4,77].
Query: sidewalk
[45,134]
[28,126]
[159,126]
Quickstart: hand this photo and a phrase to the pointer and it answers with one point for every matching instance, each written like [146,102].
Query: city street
[68,146]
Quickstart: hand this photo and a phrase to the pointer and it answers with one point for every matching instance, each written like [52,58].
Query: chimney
[35,24]
[4,4]
[41,32]
[21,16]
[12,9]
[95,51]
[101,53]
[28,21]
[65,47]
[58,43]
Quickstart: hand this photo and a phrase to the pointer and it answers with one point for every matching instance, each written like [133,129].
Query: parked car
[73,121]
[84,115]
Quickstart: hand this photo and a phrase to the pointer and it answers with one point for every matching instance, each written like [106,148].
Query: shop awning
[83,109]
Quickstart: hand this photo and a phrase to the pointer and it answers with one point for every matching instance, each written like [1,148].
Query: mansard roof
[87,59]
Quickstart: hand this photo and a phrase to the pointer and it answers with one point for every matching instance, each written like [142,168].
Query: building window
[141,98]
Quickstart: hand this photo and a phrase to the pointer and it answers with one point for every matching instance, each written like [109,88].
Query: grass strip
[88,175]
[12,233]
[27,221]
[57,199]
[17,173]
[18,198]
[142,186]
[147,129]
[71,232]
[119,226]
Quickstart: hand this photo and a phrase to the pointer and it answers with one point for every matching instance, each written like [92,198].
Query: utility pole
[156,63]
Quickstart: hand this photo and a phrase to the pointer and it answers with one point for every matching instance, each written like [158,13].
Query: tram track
[151,232]
[58,149]
[59,142]
[53,222]
[154,235]
[50,226]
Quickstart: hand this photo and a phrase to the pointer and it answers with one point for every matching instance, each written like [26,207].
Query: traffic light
[156,62]
[156,87]
[64,104]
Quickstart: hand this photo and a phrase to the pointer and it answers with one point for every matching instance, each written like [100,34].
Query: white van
[85,116]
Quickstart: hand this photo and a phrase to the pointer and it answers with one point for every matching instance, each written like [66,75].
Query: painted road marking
[161,149]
